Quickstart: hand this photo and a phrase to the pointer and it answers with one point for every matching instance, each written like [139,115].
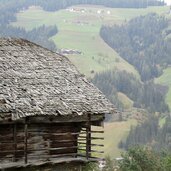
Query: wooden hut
[47,108]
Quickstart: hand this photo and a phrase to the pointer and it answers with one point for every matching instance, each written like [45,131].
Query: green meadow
[114,133]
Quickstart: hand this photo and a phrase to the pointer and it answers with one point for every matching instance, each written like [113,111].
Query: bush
[141,159]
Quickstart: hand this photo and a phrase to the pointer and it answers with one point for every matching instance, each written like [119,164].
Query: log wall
[43,141]
[35,142]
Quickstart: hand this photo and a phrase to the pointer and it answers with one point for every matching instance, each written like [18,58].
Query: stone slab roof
[35,81]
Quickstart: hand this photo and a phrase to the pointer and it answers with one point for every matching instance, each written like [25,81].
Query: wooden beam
[52,149]
[55,134]
[15,141]
[88,136]
[94,151]
[25,140]
[98,145]
[10,151]
[9,142]
[93,138]
[54,141]
[54,156]
[66,119]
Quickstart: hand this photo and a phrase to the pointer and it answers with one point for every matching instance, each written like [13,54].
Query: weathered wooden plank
[88,136]
[15,141]
[6,143]
[98,145]
[66,119]
[46,140]
[54,156]
[40,162]
[54,134]
[100,132]
[25,140]
[52,149]
[93,138]
[11,151]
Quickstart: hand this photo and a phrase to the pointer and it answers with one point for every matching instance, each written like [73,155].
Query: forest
[38,35]
[146,95]
[145,43]
[142,42]
[41,35]
[149,133]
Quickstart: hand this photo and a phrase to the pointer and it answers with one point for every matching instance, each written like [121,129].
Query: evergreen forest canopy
[144,95]
[143,43]
[41,35]
[38,35]
[150,133]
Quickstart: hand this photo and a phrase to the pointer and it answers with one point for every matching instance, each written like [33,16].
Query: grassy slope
[162,121]
[97,56]
[126,101]
[165,79]
[114,132]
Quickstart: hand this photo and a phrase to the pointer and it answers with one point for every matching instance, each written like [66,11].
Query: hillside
[80,31]
[145,43]
[121,130]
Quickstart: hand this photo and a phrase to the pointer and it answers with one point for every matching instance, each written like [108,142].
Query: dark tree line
[142,134]
[163,140]
[58,4]
[142,42]
[144,95]
[38,35]
[8,9]
[41,35]
[149,133]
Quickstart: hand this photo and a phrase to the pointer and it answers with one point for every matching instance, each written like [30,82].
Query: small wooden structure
[47,108]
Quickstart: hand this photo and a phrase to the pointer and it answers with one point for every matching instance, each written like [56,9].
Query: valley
[79,28]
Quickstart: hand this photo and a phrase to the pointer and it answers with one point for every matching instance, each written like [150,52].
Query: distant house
[69,52]
[47,109]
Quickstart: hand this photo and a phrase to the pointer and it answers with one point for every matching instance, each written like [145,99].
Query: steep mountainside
[142,42]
